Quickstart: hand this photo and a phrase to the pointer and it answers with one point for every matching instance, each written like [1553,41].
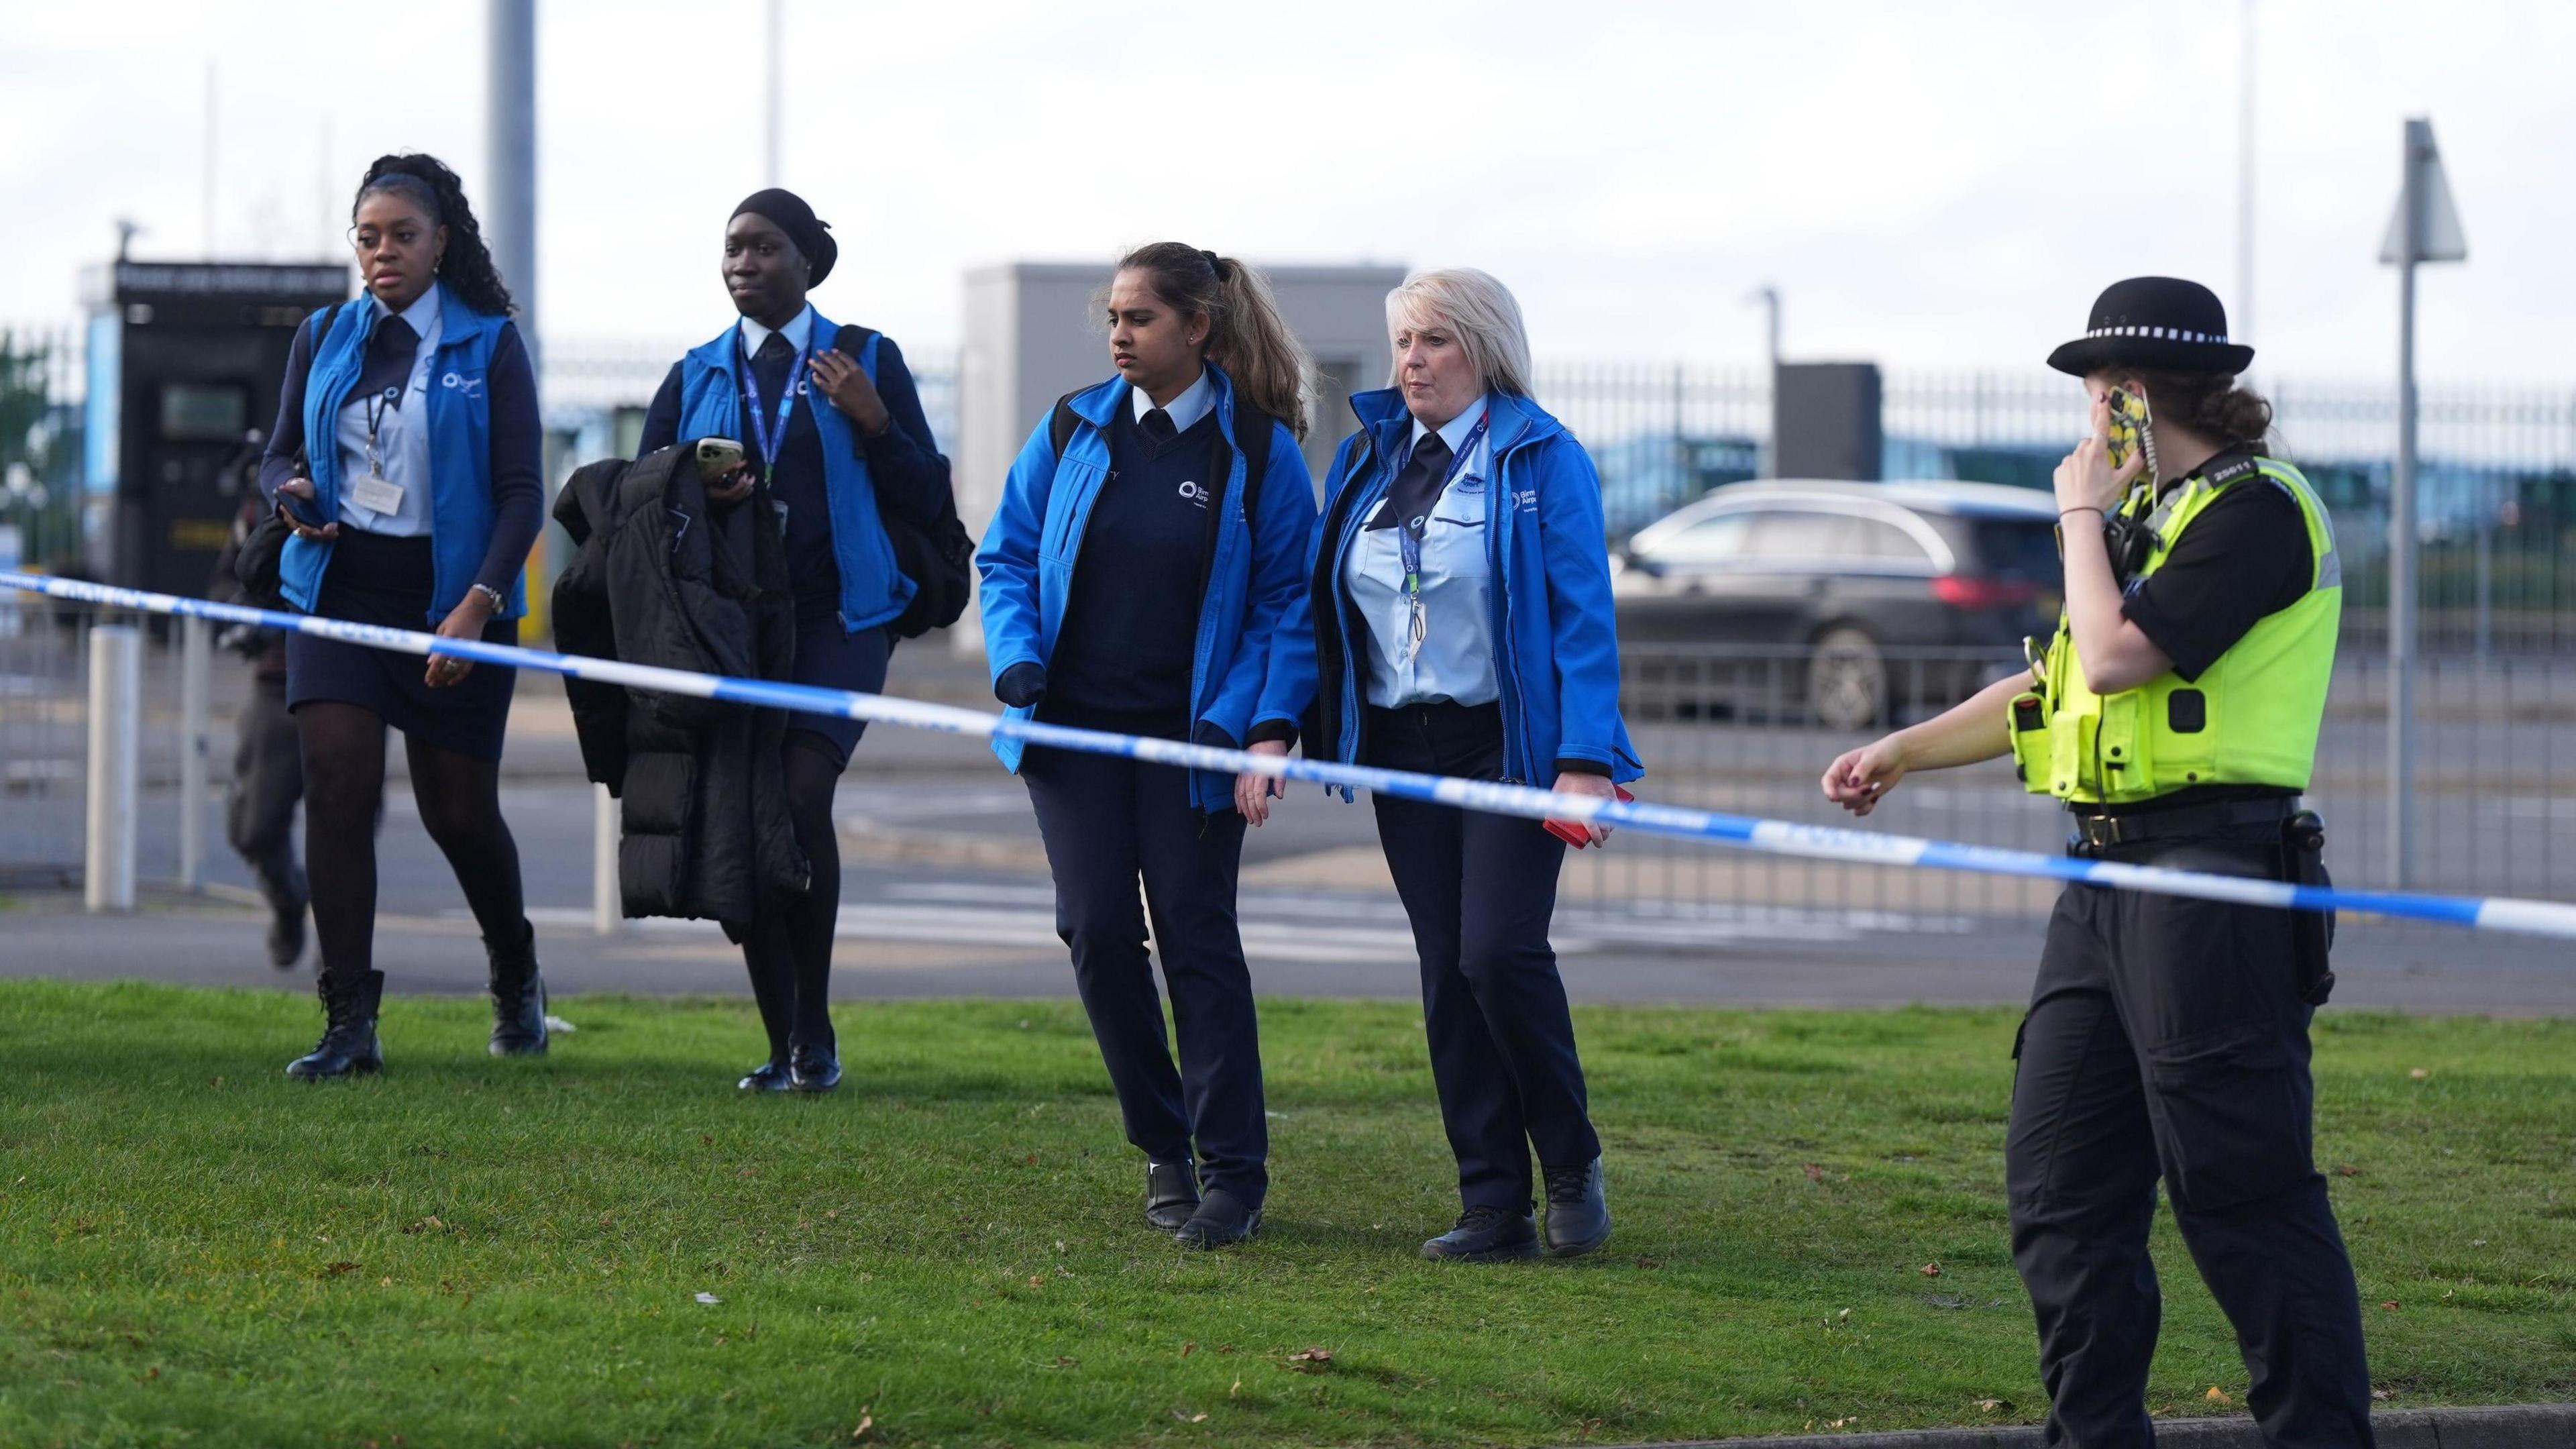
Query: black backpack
[937,553]
[1247,419]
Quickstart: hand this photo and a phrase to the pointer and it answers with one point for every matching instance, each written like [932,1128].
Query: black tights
[789,952]
[344,787]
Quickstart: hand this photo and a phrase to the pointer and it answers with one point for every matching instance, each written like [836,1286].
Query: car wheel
[1847,681]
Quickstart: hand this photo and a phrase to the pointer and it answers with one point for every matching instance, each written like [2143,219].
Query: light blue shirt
[797,331]
[401,434]
[1456,659]
[1185,410]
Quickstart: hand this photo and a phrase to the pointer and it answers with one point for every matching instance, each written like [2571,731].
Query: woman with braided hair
[407,458]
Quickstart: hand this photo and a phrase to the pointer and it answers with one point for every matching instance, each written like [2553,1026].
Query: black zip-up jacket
[664,578]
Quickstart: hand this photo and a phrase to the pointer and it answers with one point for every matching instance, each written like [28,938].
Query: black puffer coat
[665,579]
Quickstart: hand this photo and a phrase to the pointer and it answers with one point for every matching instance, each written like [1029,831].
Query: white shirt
[1456,660]
[798,329]
[1185,410]
[401,433]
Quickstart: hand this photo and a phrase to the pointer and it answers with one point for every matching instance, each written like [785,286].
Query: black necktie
[1157,427]
[391,349]
[1418,486]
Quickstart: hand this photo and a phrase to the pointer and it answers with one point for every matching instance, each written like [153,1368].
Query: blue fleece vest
[460,450]
[873,590]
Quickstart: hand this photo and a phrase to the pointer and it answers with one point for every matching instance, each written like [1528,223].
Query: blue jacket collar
[1516,420]
[459,323]
[1099,403]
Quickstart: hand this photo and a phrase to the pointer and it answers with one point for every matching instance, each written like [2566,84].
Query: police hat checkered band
[2169,334]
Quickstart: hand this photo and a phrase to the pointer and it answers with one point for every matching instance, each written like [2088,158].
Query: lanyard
[768,436]
[376,405]
[1408,536]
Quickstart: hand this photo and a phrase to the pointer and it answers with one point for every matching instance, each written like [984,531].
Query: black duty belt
[2092,832]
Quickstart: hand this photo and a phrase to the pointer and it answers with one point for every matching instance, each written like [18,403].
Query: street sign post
[2426,228]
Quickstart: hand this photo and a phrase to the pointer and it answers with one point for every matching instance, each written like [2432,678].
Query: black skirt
[376,579]
[834,658]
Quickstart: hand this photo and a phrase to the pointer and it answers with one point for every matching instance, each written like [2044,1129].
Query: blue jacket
[1255,576]
[461,511]
[1554,632]
[873,590]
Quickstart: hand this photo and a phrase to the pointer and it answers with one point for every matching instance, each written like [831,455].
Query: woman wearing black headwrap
[831,425]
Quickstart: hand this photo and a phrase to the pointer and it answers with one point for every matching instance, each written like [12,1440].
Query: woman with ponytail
[1150,542]
[407,457]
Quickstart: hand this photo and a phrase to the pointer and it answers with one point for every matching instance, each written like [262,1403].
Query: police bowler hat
[2162,323]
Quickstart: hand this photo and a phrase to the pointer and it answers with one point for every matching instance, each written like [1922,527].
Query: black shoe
[518,997]
[1221,1222]
[1578,1216]
[769,1076]
[1486,1235]
[813,1069]
[348,1042]
[1171,1194]
[286,937]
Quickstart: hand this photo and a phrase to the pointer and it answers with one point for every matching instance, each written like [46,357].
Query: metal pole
[115,743]
[775,102]
[2241,317]
[2401,531]
[607,916]
[510,136]
[196,651]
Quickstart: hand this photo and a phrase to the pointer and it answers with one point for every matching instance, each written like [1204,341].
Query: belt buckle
[2098,832]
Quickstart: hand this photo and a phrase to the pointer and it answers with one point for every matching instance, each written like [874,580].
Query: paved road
[919,919]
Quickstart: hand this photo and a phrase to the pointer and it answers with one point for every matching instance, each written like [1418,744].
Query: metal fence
[1731,729]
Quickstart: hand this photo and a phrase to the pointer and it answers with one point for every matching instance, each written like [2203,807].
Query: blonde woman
[1461,625]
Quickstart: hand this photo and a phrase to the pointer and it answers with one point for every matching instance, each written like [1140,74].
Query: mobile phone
[1575,832]
[2129,421]
[716,458]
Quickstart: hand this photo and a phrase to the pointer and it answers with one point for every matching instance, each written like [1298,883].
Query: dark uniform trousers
[1106,821]
[1480,891]
[268,783]
[2167,1037]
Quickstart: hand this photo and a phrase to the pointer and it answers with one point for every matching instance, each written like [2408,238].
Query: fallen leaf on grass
[1311,1360]
[2383,1394]
[867,1421]
[2420,1073]
[1238,1387]
[1815,1173]
[1995,1406]
[2390,1305]
[336,1270]
[1037,1280]
[1650,1263]
[1930,1270]
[1189,1348]
[1189,1418]
[2347,1170]
[2217,1395]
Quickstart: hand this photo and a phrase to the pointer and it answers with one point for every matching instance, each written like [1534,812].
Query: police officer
[2176,714]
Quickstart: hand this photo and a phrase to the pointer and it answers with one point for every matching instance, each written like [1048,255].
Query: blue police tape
[1775,837]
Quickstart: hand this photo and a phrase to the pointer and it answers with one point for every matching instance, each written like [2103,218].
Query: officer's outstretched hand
[1861,778]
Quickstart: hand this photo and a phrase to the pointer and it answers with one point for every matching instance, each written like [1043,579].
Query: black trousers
[1480,891]
[1106,822]
[267,785]
[2166,1037]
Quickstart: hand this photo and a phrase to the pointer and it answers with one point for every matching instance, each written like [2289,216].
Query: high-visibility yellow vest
[2250,719]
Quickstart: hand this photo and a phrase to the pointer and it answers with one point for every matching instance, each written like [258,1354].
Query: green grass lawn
[195,1250]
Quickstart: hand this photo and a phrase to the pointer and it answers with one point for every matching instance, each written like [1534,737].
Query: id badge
[376,495]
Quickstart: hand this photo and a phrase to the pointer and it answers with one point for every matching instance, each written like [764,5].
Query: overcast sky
[1929,186]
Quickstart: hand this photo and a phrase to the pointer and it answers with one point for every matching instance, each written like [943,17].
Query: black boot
[518,998]
[1578,1213]
[348,1042]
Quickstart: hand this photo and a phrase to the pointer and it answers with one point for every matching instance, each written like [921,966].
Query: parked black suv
[1833,584]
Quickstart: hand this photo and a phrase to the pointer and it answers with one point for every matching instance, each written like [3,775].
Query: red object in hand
[1575,832]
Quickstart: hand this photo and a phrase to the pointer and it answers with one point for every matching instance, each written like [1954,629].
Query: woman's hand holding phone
[1579,833]
[301,489]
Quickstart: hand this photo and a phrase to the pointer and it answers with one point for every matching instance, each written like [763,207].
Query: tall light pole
[1769,298]
[2426,228]
[776,101]
[510,138]
[2241,315]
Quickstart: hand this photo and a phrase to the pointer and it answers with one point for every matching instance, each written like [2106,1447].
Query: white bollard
[607,911]
[115,742]
[196,653]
